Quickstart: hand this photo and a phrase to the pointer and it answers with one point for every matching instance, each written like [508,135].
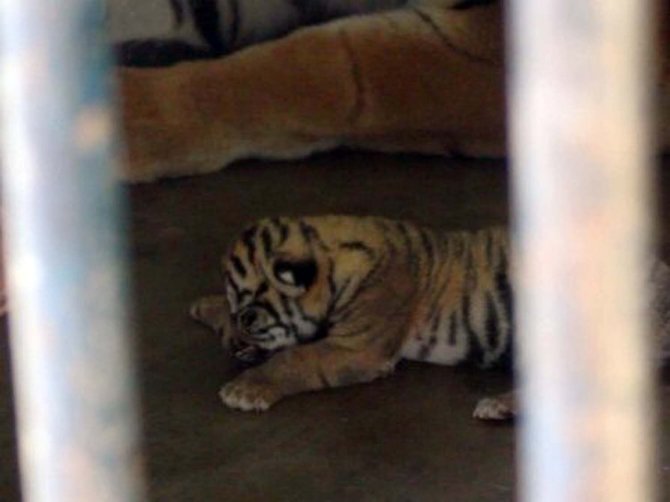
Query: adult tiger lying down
[427,77]
[337,300]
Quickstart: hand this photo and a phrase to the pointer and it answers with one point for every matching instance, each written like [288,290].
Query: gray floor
[407,438]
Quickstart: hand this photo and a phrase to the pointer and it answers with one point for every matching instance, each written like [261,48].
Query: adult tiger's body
[427,78]
[337,300]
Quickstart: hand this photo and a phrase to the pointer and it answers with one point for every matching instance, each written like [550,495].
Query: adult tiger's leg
[428,80]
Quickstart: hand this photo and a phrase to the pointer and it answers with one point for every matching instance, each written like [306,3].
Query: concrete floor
[406,438]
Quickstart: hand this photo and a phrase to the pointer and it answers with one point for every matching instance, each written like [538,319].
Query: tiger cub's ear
[300,273]
[213,312]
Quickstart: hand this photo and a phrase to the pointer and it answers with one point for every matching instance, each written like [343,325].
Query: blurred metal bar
[76,406]
[580,138]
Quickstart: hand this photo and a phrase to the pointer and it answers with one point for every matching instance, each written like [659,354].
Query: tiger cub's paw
[247,395]
[495,408]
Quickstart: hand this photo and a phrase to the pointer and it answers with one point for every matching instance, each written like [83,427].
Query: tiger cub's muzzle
[253,322]
[257,332]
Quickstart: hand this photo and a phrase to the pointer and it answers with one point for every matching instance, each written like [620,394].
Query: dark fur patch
[303,272]
[208,23]
[157,53]
[469,4]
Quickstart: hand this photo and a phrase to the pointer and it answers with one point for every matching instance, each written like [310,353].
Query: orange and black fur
[332,301]
[337,300]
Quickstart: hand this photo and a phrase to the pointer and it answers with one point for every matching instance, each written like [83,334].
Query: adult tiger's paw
[248,395]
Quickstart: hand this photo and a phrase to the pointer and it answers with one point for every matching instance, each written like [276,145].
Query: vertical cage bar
[580,140]
[78,435]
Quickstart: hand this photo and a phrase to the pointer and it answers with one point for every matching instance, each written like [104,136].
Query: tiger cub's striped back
[464,311]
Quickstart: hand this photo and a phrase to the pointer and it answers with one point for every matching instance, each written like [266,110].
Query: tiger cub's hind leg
[500,407]
[505,406]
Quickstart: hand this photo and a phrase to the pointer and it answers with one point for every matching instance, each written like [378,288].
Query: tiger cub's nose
[247,318]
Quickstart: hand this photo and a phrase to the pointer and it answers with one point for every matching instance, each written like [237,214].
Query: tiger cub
[337,300]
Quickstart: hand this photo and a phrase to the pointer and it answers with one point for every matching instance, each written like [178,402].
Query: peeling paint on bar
[580,140]
[78,433]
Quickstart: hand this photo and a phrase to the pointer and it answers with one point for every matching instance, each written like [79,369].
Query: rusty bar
[78,435]
[580,141]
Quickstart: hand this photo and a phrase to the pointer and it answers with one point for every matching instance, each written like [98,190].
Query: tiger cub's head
[277,286]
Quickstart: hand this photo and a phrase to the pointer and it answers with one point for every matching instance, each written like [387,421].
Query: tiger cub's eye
[296,273]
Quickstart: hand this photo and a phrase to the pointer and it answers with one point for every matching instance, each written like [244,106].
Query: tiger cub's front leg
[360,349]
[333,362]
[324,364]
